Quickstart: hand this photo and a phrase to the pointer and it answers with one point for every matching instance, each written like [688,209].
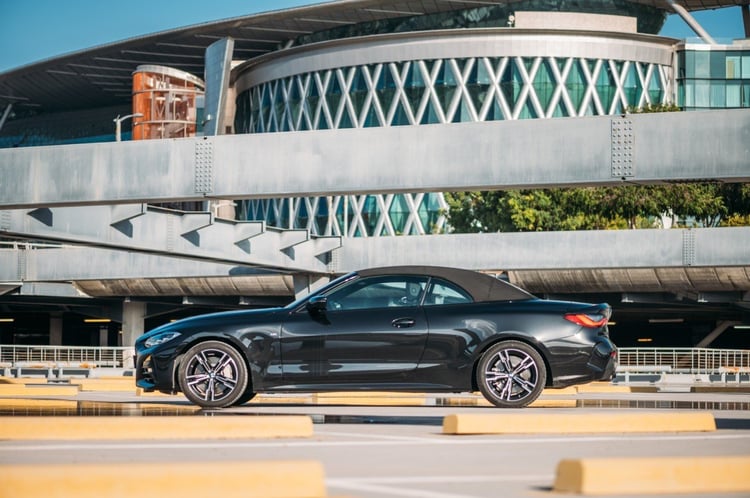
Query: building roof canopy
[101,76]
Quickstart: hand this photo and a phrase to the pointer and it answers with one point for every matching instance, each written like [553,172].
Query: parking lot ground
[391,450]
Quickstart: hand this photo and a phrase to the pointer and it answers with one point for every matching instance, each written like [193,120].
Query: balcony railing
[65,356]
[696,361]
[685,360]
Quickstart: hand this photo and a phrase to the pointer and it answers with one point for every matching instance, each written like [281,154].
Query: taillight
[586,320]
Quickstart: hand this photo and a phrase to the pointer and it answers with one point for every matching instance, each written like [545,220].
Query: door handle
[403,323]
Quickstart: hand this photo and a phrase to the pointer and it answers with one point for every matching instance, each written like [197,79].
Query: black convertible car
[408,328]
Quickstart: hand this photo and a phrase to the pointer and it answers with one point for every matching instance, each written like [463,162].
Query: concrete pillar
[133,317]
[55,329]
[103,336]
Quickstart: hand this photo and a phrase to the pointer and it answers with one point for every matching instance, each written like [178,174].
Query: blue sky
[34,30]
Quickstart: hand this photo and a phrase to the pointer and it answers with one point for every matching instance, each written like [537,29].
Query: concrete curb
[170,427]
[625,476]
[264,479]
[577,423]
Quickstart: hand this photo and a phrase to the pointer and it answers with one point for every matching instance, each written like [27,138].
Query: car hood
[212,319]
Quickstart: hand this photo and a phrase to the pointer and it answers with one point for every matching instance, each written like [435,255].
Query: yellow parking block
[261,479]
[479,401]
[140,392]
[364,399]
[171,427]
[602,388]
[26,390]
[38,403]
[104,385]
[22,380]
[577,423]
[565,391]
[627,476]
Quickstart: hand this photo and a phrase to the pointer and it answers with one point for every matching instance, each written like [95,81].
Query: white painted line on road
[386,485]
[426,441]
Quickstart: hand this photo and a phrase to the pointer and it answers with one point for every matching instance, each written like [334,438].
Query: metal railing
[671,360]
[69,356]
[685,360]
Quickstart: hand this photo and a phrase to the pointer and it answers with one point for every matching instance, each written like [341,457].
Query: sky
[34,30]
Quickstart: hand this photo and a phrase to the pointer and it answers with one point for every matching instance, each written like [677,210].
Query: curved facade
[437,78]
[165,103]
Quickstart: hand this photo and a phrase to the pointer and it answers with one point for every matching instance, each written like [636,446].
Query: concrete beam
[87,263]
[704,247]
[534,153]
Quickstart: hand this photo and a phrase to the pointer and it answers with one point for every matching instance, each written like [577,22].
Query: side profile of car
[407,328]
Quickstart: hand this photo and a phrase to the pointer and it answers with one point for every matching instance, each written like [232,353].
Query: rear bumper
[598,361]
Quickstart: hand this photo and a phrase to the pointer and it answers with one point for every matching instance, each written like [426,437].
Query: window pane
[702,91]
[718,94]
[702,68]
[733,67]
[718,64]
[442,292]
[733,94]
[378,292]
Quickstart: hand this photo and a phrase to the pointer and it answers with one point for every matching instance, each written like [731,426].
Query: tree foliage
[627,206]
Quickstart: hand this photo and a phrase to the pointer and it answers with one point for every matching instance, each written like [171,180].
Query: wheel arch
[512,337]
[199,338]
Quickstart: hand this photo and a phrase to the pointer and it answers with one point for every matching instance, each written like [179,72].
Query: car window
[442,292]
[378,292]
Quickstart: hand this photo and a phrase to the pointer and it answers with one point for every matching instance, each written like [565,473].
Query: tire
[247,396]
[213,374]
[511,374]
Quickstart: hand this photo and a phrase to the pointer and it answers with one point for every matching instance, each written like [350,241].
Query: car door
[371,330]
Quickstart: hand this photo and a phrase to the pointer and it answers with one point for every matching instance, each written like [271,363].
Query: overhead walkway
[534,153]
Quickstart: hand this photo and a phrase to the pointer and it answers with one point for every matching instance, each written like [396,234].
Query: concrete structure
[286,187]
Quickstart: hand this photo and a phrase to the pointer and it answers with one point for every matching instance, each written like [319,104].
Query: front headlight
[161,338]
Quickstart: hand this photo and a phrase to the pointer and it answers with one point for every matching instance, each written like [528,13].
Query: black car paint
[290,349]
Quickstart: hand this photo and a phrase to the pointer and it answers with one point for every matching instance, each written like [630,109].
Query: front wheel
[213,375]
[511,374]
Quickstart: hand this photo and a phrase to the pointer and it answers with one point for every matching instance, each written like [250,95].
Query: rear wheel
[511,374]
[213,375]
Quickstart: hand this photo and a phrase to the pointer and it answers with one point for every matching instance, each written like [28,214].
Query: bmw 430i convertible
[409,328]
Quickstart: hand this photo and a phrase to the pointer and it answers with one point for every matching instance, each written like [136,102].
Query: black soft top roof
[480,286]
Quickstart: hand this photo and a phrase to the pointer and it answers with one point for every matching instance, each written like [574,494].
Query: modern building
[333,81]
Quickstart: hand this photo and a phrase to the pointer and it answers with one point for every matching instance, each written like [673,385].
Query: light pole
[118,124]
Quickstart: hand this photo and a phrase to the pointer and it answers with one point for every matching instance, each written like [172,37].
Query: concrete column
[133,316]
[55,329]
[103,336]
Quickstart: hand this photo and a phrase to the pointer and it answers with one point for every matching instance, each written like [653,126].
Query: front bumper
[155,372]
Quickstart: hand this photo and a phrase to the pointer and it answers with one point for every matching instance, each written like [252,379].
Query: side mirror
[317,304]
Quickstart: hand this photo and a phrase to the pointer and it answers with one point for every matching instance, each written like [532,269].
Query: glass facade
[718,78]
[450,91]
[428,92]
